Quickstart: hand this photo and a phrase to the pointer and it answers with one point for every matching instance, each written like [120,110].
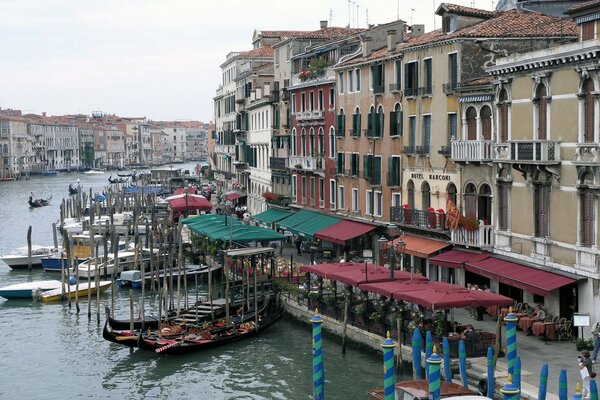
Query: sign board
[581,319]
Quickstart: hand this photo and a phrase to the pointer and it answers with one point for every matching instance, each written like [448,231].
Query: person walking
[596,336]
[298,243]
[587,372]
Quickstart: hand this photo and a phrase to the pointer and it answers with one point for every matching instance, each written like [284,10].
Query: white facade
[260,118]
[16,152]
[61,143]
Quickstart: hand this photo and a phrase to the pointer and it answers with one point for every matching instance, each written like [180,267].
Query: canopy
[324,270]
[342,231]
[454,298]
[232,196]
[520,276]
[183,195]
[190,202]
[364,273]
[296,219]
[456,258]
[266,218]
[190,190]
[420,246]
[308,228]
[388,288]
[246,233]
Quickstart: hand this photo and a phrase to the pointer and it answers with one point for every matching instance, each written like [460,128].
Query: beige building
[16,147]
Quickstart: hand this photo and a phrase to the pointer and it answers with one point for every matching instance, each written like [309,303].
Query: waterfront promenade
[532,349]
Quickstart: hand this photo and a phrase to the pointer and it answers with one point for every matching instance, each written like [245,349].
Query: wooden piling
[29,248]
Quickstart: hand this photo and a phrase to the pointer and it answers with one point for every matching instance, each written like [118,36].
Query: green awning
[266,219]
[296,219]
[308,228]
[247,233]
[207,224]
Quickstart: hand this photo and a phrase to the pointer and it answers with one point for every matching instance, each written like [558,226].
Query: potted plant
[469,224]
[584,344]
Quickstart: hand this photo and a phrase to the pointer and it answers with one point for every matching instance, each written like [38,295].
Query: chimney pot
[391,40]
[366,46]
[323,24]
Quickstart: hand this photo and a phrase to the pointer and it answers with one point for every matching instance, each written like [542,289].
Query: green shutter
[380,124]
[401,123]
[377,170]
[371,124]
[393,125]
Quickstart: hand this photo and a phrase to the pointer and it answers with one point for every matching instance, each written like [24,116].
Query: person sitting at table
[538,314]
[455,328]
[527,310]
[469,333]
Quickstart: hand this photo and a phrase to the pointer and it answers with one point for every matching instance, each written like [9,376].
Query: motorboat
[126,261]
[79,289]
[94,172]
[27,290]
[131,278]
[20,258]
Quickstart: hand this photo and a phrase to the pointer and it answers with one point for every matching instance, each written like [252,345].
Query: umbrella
[190,202]
[191,190]
[182,196]
[453,297]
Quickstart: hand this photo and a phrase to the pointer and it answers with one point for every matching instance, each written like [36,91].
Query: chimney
[391,40]
[366,46]
[44,114]
[417,30]
[323,24]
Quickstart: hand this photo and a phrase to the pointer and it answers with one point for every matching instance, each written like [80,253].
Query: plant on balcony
[469,224]
[274,197]
[375,316]
[317,65]
[298,166]
[303,75]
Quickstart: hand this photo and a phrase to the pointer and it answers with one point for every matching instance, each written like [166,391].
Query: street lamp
[395,250]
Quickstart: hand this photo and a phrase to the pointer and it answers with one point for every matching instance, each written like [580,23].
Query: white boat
[71,291]
[87,269]
[27,290]
[20,258]
[94,172]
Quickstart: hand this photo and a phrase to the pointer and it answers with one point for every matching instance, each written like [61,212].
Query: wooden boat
[36,203]
[56,262]
[82,290]
[193,340]
[19,259]
[125,279]
[419,390]
[27,290]
[118,180]
[126,175]
[73,190]
[7,179]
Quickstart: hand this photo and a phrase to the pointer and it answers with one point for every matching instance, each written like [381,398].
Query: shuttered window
[503,108]
[587,215]
[588,105]
[376,171]
[425,196]
[486,123]
[541,195]
[470,201]
[588,30]
[542,111]
[471,124]
[411,194]
[395,122]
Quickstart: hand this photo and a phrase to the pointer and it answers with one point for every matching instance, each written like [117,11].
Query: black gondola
[38,202]
[127,175]
[73,190]
[118,180]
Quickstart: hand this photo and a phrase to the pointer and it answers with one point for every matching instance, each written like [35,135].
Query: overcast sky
[155,58]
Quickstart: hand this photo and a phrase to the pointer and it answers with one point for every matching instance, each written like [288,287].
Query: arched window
[332,144]
[311,146]
[486,122]
[471,117]
[410,189]
[397,116]
[341,123]
[470,200]
[380,122]
[503,113]
[484,206]
[321,144]
[356,123]
[451,196]
[588,110]
[294,142]
[425,196]
[303,148]
[542,112]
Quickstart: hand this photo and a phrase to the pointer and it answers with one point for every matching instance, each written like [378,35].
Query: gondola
[118,180]
[197,340]
[39,202]
[73,190]
[127,175]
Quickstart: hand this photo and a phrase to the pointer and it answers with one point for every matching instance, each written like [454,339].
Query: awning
[308,228]
[231,196]
[296,219]
[342,231]
[265,219]
[520,276]
[457,258]
[420,246]
[453,297]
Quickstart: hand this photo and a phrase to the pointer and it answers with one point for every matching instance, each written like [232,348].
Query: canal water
[51,351]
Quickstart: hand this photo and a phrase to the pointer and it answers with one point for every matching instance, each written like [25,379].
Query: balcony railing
[309,115]
[410,150]
[421,218]
[410,92]
[422,149]
[450,87]
[306,163]
[372,133]
[225,148]
[425,91]
[355,133]
[528,151]
[587,153]
[373,179]
[481,237]
[278,163]
[378,89]
[472,150]
[340,132]
[278,200]
[446,151]
[321,203]
[395,88]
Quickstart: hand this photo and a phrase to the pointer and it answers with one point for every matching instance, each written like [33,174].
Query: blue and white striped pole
[389,374]
[435,380]
[417,345]
[490,373]
[462,363]
[428,350]
[446,350]
[318,373]
[562,385]
[511,340]
[543,382]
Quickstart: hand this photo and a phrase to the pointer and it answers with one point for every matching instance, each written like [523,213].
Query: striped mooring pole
[593,390]
[317,353]
[562,385]
[389,373]
[435,379]
[543,382]
[446,352]
[510,391]
[511,339]
[416,348]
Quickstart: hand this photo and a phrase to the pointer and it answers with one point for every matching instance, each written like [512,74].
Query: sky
[155,58]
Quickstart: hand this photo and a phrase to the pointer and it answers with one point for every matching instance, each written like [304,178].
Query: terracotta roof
[262,51]
[582,6]
[462,10]
[280,34]
[484,80]
[330,33]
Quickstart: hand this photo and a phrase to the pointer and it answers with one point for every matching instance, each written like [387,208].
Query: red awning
[531,279]
[342,231]
[323,270]
[453,297]
[191,190]
[388,288]
[364,273]
[420,246]
[234,196]
[190,202]
[457,258]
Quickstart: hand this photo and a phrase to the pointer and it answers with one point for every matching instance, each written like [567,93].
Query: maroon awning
[234,196]
[323,270]
[190,202]
[520,276]
[342,231]
[457,258]
[191,190]
[388,288]
[453,298]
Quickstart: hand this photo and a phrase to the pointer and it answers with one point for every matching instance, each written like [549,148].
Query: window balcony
[396,88]
[587,154]
[418,218]
[225,149]
[373,133]
[378,89]
[482,237]
[528,152]
[306,163]
[472,151]
[321,203]
[450,87]
[278,163]
[446,151]
[304,116]
[410,92]
[422,150]
[425,91]
[355,133]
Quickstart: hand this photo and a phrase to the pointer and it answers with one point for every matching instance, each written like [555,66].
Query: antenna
[330,16]
[398,10]
[349,22]
[434,15]
[357,23]
[412,10]
[367,16]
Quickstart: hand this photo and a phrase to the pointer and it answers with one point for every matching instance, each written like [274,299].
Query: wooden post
[253,264]
[498,343]
[115,242]
[76,286]
[226,289]
[131,317]
[97,282]
[345,326]
[179,265]
[54,236]
[29,248]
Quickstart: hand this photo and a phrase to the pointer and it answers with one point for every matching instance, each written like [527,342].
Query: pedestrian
[298,242]
[596,335]
[586,371]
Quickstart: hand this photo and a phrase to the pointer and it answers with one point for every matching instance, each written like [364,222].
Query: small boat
[133,278]
[87,269]
[419,390]
[27,290]
[118,180]
[80,289]
[53,263]
[7,179]
[94,172]
[36,203]
[73,190]
[130,279]
[20,259]
[126,175]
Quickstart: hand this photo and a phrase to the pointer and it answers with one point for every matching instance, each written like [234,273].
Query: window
[294,187]
[426,133]
[357,80]
[453,70]
[312,191]
[470,200]
[541,102]
[410,191]
[321,144]
[350,81]
[303,190]
[341,124]
[355,200]
[587,212]
[303,148]
[331,98]
[394,171]
[503,194]
[486,122]
[332,193]
[396,200]
[396,118]
[332,143]
[541,196]
[471,117]
[411,79]
[340,83]
[369,202]
[484,204]
[425,196]
[412,133]
[375,122]
[311,143]
[320,100]
[341,163]
[354,161]
[356,123]
[378,204]
[428,72]
[452,126]
[588,30]
[341,197]
[303,104]
[451,191]
[398,70]
[377,78]
[321,193]
[503,114]
[294,142]
[311,100]
[294,108]
[588,110]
